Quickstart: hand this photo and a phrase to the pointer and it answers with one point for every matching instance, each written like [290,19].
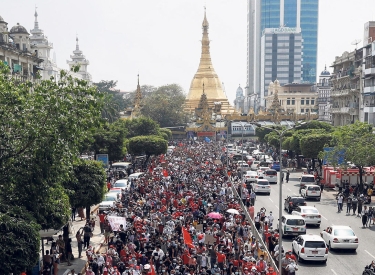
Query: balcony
[338,110]
[369,71]
[338,93]
[368,90]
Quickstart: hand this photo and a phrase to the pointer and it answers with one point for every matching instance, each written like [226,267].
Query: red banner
[187,238]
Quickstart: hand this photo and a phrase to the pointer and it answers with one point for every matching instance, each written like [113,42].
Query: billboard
[103,158]
[328,153]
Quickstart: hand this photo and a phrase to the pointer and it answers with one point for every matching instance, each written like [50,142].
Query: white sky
[160,39]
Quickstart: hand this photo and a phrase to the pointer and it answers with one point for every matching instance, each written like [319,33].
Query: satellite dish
[356,42]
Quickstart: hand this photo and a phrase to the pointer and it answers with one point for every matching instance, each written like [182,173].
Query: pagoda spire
[138,96]
[205,62]
[77,45]
[36,24]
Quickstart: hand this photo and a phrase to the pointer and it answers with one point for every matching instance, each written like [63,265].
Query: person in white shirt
[270,219]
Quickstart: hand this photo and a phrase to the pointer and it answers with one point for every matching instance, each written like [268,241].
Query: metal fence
[255,232]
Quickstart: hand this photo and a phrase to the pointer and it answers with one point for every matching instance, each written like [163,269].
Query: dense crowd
[182,217]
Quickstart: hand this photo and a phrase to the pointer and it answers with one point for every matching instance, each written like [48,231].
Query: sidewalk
[78,264]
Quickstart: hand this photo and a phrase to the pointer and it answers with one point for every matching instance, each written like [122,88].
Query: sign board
[116,221]
[282,30]
[217,161]
[103,158]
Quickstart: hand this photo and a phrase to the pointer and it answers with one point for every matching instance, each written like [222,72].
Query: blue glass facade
[270,18]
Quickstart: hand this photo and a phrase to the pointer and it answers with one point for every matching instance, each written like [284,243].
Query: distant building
[239,101]
[324,96]
[346,87]
[79,59]
[281,50]
[293,98]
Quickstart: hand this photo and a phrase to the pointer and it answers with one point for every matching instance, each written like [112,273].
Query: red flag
[152,268]
[165,173]
[187,238]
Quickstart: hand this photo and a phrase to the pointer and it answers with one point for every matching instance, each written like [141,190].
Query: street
[339,262]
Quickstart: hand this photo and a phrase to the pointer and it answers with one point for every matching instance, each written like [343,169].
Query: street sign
[103,158]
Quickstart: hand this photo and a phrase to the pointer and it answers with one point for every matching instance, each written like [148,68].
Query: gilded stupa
[207,76]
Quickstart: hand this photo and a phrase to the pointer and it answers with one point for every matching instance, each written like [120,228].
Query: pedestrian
[348,204]
[74,211]
[252,198]
[340,199]
[364,216]
[354,204]
[360,204]
[370,216]
[287,176]
[87,233]
[79,243]
[68,250]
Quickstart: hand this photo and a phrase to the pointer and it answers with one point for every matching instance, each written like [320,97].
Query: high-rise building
[263,14]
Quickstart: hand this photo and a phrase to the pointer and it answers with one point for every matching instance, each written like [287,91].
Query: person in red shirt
[221,259]
[101,222]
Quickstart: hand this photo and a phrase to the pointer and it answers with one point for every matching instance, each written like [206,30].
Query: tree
[146,90]
[167,131]
[88,185]
[261,133]
[113,100]
[41,131]
[165,105]
[148,145]
[19,238]
[109,139]
[312,145]
[141,126]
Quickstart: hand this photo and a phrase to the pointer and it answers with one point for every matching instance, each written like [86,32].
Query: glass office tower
[295,13]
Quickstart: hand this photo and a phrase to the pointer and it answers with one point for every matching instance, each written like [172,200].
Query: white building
[239,101]
[324,91]
[79,59]
[281,55]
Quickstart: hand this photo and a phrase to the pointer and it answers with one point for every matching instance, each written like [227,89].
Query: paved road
[339,262]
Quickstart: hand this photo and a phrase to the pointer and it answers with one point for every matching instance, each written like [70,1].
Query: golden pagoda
[206,75]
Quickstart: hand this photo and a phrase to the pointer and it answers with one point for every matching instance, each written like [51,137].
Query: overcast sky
[160,39]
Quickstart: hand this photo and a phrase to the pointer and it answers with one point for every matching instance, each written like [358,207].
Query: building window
[307,101]
[303,101]
[312,101]
[302,110]
[288,101]
[293,101]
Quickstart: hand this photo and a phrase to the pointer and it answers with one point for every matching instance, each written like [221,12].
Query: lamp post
[281,135]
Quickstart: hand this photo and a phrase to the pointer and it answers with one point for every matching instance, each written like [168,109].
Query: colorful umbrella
[215,215]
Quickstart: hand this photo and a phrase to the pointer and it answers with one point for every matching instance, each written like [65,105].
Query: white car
[310,248]
[255,165]
[340,237]
[311,191]
[306,179]
[123,184]
[270,175]
[292,225]
[251,176]
[262,186]
[136,175]
[109,201]
[309,213]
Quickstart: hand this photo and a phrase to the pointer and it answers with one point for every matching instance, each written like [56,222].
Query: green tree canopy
[19,238]
[312,145]
[142,126]
[149,145]
[167,131]
[87,186]
[165,105]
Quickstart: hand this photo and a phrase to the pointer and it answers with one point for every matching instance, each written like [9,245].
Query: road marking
[276,206]
[370,254]
[324,217]
[334,272]
[289,190]
[295,194]
[271,199]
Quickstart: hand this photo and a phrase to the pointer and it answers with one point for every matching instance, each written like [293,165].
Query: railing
[255,232]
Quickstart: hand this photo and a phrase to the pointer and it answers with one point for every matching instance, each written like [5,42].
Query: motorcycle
[368,271]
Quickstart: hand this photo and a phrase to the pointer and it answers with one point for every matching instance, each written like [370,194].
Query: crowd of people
[184,217]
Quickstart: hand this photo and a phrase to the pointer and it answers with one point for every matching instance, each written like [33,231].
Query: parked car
[310,248]
[340,237]
[306,179]
[292,225]
[291,203]
[251,176]
[275,166]
[270,175]
[309,213]
[262,186]
[311,191]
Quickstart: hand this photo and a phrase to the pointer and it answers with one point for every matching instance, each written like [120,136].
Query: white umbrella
[233,211]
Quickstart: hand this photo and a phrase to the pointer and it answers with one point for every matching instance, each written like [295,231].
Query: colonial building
[324,92]
[16,52]
[207,76]
[346,87]
[79,59]
[293,98]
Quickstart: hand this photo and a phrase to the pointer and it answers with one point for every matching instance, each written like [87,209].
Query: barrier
[255,232]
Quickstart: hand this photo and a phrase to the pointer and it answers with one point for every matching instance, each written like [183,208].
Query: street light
[281,135]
